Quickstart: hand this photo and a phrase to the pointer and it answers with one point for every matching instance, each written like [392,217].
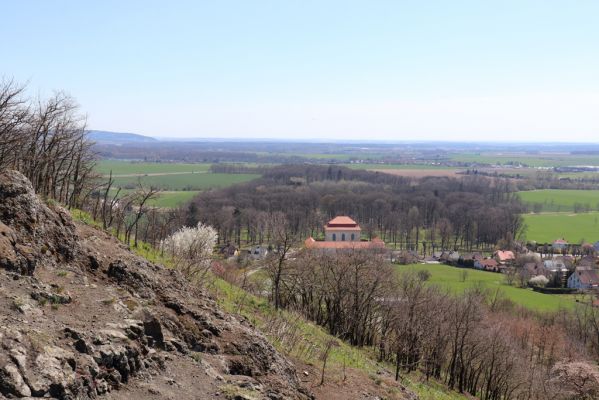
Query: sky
[519,70]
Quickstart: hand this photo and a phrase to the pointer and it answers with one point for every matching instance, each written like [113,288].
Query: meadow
[533,160]
[561,200]
[179,182]
[449,278]
[575,228]
[128,167]
[195,181]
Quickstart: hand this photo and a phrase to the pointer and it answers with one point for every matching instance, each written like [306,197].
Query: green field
[198,181]
[561,200]
[533,160]
[127,167]
[173,199]
[180,182]
[448,277]
[575,228]
[396,166]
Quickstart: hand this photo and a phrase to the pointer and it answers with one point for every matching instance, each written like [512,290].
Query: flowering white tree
[539,280]
[191,249]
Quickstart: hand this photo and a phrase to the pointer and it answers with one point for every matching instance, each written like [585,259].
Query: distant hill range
[106,137]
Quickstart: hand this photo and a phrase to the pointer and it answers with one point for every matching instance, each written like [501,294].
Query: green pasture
[131,167]
[561,200]
[449,278]
[575,228]
[197,181]
[533,160]
[173,199]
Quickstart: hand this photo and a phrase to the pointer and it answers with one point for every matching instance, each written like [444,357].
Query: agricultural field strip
[155,174]
[560,199]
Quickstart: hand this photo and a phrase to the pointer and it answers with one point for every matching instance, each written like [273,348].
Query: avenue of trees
[428,214]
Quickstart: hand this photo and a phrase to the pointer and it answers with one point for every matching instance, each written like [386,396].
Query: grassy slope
[546,227]
[302,340]
[561,200]
[305,341]
[449,277]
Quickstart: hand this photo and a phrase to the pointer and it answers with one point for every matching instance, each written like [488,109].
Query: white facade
[338,235]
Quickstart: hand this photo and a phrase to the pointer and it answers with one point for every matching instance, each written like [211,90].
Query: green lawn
[128,167]
[575,228]
[561,200]
[448,277]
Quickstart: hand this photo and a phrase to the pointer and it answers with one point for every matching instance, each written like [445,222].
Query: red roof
[488,262]
[375,243]
[504,255]
[342,222]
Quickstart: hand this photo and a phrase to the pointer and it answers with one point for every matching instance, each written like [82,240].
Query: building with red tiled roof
[342,229]
[343,233]
[504,256]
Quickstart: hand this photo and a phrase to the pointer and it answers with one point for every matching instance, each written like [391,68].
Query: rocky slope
[83,317]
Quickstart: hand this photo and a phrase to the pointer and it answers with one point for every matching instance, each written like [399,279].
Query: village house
[556,265]
[504,256]
[587,261]
[587,279]
[559,245]
[342,233]
[487,264]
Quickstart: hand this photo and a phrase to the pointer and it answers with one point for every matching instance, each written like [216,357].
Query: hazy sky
[394,70]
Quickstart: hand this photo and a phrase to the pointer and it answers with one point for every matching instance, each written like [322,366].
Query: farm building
[504,256]
[587,279]
[343,233]
[487,264]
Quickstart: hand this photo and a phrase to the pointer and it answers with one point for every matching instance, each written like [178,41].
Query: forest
[431,213]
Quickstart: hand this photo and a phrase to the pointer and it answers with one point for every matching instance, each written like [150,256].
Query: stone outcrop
[83,317]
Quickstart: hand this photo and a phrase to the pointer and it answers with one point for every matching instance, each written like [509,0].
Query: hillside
[107,137]
[82,316]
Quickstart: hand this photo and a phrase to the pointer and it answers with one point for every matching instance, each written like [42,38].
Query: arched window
[343,237]
[334,237]
[353,237]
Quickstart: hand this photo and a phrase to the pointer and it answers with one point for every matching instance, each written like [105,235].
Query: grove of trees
[431,213]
